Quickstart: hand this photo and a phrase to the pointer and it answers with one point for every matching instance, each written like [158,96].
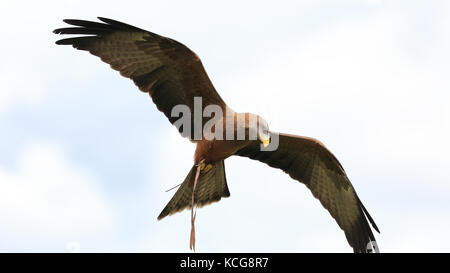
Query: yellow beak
[265,141]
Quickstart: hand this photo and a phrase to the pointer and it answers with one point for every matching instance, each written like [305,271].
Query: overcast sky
[85,158]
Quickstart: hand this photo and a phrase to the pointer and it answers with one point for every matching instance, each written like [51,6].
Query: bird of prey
[173,75]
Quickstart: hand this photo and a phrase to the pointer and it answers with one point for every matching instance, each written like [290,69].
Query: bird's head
[263,132]
[258,127]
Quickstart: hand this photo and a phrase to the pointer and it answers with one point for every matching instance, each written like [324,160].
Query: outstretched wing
[169,71]
[308,161]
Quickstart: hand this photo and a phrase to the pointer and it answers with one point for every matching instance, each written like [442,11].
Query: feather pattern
[211,187]
[308,161]
[169,71]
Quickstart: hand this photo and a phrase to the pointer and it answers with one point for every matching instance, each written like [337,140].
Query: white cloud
[46,198]
[19,85]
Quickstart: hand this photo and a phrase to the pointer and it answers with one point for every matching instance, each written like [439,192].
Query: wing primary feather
[81,30]
[87,24]
[372,222]
[118,24]
[77,42]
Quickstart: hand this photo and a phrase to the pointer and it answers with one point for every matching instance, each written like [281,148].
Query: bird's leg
[200,167]
[204,168]
[207,168]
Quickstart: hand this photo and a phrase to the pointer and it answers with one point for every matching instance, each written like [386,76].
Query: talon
[206,168]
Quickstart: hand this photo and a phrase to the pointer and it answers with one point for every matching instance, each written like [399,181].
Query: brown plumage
[173,75]
[211,187]
[169,71]
[308,161]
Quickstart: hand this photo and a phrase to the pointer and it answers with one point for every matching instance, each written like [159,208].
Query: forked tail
[211,187]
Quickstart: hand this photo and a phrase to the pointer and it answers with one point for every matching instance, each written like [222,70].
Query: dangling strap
[194,210]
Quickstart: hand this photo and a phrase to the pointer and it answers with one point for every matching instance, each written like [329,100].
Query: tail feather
[211,187]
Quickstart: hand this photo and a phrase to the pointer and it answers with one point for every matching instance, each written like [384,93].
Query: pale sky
[85,158]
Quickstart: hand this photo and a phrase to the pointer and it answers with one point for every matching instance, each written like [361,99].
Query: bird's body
[214,149]
[173,75]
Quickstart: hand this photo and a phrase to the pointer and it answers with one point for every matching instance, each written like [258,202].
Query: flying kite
[173,75]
